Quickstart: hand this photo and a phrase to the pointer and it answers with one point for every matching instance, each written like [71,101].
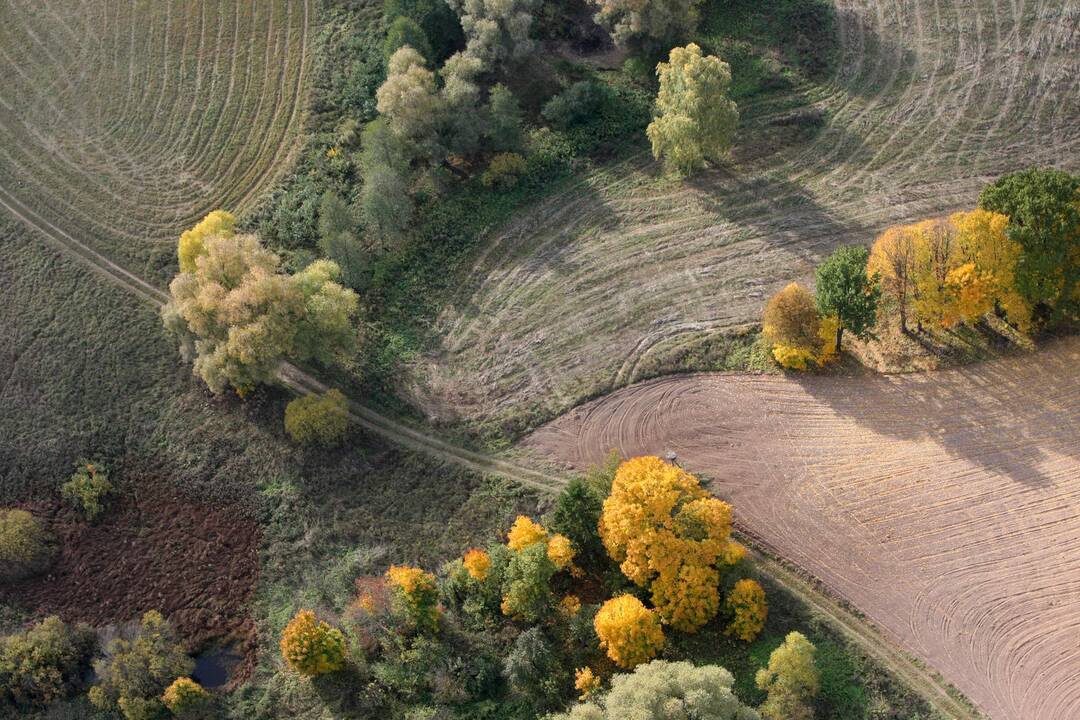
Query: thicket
[26,546]
[44,664]
[87,489]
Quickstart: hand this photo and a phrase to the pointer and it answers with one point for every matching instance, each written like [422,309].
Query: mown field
[625,270]
[126,122]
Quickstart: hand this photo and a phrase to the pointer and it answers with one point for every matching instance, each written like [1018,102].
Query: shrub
[527,586]
[440,25]
[586,683]
[26,548]
[747,602]
[312,647]
[43,664]
[662,690]
[793,358]
[668,534]
[525,532]
[628,631]
[133,675]
[86,490]
[415,596]
[791,680]
[578,104]
[577,516]
[187,699]
[504,170]
[317,419]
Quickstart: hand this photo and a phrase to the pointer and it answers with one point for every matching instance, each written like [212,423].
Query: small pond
[214,666]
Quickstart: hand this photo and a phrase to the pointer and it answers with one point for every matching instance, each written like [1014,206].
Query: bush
[311,647]
[86,490]
[187,699]
[317,419]
[44,664]
[415,597]
[663,690]
[26,548]
[439,23]
[504,170]
[629,631]
[577,104]
[133,675]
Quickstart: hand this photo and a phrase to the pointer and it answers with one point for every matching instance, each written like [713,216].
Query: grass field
[125,121]
[600,285]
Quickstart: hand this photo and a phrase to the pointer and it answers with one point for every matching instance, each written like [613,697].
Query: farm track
[584,293]
[945,506]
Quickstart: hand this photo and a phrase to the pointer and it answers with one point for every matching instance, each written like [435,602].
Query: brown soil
[197,564]
[943,505]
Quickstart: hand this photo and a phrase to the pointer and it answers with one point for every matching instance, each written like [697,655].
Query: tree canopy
[845,291]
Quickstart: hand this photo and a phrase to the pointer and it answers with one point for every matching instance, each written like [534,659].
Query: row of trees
[658,548]
[1017,256]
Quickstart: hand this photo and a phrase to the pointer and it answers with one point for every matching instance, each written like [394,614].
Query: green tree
[239,317]
[187,700]
[133,674]
[45,663]
[338,239]
[439,23]
[1043,207]
[648,24]
[385,202]
[534,670]
[845,291]
[405,31]
[317,419]
[527,584]
[410,102]
[497,31]
[577,516]
[791,680]
[696,119]
[26,547]
[662,690]
[505,134]
[86,490]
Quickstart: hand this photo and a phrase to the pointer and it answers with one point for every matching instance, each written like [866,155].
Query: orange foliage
[477,563]
[585,682]
[629,631]
[524,533]
[560,552]
[311,647]
[415,594]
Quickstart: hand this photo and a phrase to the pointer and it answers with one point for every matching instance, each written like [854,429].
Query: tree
[983,241]
[435,18]
[133,674]
[577,516]
[338,239]
[525,532]
[240,317]
[45,663]
[506,117]
[696,119]
[791,323]
[1043,207]
[477,563]
[192,242]
[410,102]
[26,547]
[317,419]
[747,603]
[534,670]
[414,596]
[560,552]
[86,490]
[648,24]
[669,535]
[662,690]
[628,631]
[187,699]
[845,290]
[527,585]
[892,258]
[405,31]
[936,255]
[311,647]
[497,31]
[791,680]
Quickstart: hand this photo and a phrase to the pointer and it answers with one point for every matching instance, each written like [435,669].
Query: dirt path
[945,506]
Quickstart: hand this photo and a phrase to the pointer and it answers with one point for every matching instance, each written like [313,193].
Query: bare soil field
[125,121]
[945,506]
[929,101]
[196,563]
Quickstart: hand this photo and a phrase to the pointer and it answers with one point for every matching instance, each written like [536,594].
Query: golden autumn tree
[477,564]
[193,242]
[984,243]
[669,535]
[628,631]
[892,257]
[747,602]
[414,595]
[792,325]
[312,647]
[525,532]
[936,255]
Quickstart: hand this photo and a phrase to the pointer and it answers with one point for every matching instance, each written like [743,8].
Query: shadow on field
[1005,417]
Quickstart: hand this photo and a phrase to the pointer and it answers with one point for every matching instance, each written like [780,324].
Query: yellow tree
[628,631]
[193,242]
[791,680]
[893,259]
[983,241]
[311,647]
[747,602]
[696,119]
[792,325]
[669,535]
[937,254]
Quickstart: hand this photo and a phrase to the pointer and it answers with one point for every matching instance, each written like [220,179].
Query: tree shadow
[1006,416]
